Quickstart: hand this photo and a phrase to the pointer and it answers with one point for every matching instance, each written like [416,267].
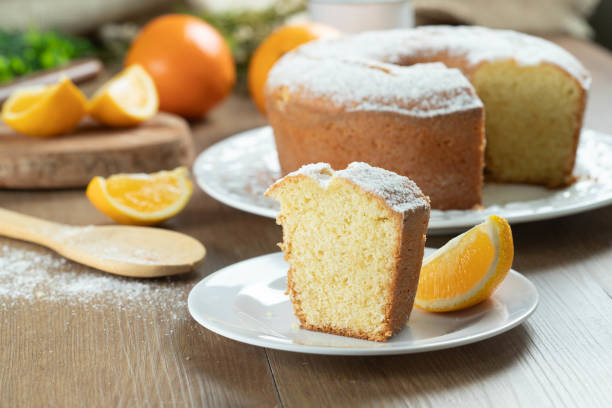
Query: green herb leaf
[29,51]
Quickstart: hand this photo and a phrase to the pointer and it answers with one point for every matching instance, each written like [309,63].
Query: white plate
[246,302]
[238,170]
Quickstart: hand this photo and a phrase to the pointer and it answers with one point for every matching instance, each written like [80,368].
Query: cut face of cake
[354,240]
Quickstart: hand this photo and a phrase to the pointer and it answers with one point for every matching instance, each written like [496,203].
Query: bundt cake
[354,240]
[411,101]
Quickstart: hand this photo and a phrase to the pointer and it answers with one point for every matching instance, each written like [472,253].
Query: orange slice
[45,111]
[141,199]
[127,99]
[467,269]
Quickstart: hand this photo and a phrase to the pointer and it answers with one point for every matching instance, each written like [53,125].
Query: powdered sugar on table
[29,273]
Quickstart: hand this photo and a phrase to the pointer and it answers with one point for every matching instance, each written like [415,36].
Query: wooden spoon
[139,252]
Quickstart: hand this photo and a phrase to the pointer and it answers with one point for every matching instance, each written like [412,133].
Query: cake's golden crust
[408,258]
[444,157]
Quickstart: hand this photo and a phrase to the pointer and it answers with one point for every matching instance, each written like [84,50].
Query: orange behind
[274,47]
[190,62]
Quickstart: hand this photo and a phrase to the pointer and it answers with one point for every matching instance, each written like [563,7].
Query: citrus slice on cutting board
[45,111]
[467,269]
[141,199]
[127,99]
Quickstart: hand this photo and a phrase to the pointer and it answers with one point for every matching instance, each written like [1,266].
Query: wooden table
[143,349]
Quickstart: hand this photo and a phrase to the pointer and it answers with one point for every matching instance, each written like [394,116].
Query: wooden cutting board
[164,142]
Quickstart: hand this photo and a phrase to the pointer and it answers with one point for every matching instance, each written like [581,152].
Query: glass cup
[353,16]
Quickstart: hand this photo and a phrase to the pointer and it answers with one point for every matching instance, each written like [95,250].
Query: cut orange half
[127,99]
[141,199]
[45,111]
[467,269]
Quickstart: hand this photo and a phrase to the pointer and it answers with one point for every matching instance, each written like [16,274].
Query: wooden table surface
[136,345]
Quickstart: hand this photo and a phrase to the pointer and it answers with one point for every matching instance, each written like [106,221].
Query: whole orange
[281,41]
[189,61]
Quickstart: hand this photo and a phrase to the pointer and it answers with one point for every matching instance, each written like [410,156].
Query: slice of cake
[354,240]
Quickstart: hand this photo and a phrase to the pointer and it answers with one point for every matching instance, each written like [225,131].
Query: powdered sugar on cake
[367,85]
[475,44]
[480,44]
[360,72]
[399,192]
[321,172]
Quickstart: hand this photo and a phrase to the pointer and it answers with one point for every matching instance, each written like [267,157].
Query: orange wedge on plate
[45,111]
[141,199]
[127,99]
[467,269]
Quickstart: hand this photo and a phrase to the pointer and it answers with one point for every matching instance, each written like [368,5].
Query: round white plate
[247,302]
[238,170]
